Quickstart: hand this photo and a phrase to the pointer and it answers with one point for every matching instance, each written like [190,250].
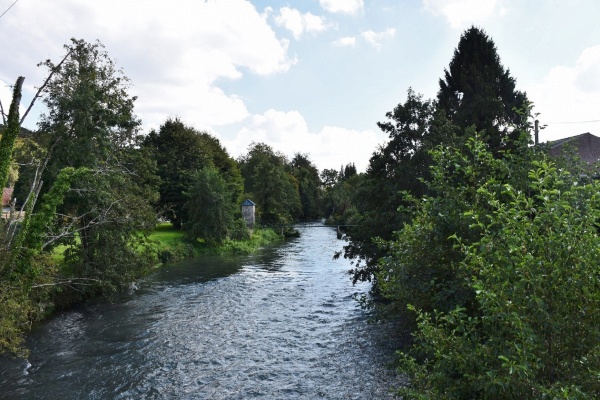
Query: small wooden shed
[248,212]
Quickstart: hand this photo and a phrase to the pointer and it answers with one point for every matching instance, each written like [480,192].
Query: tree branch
[2,112]
[41,88]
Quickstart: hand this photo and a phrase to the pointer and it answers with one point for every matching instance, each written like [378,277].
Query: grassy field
[170,245]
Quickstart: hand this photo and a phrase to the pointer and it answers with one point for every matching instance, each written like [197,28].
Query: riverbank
[168,244]
[165,245]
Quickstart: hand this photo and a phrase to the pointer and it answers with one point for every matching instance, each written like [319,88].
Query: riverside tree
[309,186]
[88,192]
[211,206]
[503,279]
[477,91]
[268,182]
[90,125]
[395,170]
[180,152]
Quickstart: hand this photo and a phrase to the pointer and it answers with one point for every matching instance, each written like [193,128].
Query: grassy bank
[169,245]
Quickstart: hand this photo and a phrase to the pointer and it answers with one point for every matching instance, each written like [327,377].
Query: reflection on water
[281,324]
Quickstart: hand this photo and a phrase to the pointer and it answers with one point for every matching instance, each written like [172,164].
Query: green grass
[166,234]
[169,245]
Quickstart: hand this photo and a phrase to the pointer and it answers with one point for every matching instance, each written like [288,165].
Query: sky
[308,76]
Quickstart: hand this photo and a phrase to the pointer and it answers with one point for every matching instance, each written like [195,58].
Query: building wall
[248,213]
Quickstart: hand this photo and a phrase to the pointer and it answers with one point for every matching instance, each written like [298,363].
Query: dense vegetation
[93,189]
[489,245]
[484,246]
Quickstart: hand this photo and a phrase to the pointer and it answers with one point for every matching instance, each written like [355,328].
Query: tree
[309,186]
[395,172]
[267,180]
[90,124]
[478,91]
[211,207]
[10,134]
[180,151]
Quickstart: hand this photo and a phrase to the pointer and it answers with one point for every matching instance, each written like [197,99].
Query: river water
[280,324]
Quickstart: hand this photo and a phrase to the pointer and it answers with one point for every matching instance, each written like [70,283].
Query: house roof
[586,145]
[248,202]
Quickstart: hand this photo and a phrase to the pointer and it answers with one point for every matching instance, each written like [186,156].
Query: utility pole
[536,129]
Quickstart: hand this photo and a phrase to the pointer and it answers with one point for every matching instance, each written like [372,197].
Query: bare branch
[69,282]
[2,112]
[41,88]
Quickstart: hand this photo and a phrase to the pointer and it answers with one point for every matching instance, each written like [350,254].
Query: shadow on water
[280,324]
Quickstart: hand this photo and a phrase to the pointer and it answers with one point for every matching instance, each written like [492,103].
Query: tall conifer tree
[477,90]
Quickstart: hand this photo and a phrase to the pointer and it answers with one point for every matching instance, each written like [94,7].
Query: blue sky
[310,76]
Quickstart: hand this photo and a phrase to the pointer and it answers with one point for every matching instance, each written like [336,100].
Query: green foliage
[395,169]
[210,208]
[502,273]
[309,186]
[180,151]
[239,231]
[258,239]
[105,212]
[477,91]
[270,185]
[169,245]
[338,196]
[421,263]
[14,320]
[90,114]
[10,134]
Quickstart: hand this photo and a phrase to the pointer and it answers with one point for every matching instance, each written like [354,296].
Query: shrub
[533,331]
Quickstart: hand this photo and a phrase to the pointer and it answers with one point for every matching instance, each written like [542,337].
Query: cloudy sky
[309,76]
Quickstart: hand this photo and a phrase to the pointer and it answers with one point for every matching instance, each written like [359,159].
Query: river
[283,323]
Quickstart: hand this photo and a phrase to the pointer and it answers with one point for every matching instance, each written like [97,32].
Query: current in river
[283,323]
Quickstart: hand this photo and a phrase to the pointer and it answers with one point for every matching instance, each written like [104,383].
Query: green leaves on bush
[511,309]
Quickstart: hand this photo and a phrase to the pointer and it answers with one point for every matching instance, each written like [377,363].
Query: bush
[533,330]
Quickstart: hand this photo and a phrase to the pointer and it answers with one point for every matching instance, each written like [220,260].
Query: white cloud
[342,6]
[298,23]
[175,56]
[460,13]
[375,38]
[288,133]
[569,94]
[348,41]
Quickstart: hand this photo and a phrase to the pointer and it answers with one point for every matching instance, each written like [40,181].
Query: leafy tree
[90,124]
[309,186]
[420,263]
[180,151]
[268,182]
[211,207]
[395,170]
[477,90]
[338,196]
[347,171]
[10,134]
[329,177]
